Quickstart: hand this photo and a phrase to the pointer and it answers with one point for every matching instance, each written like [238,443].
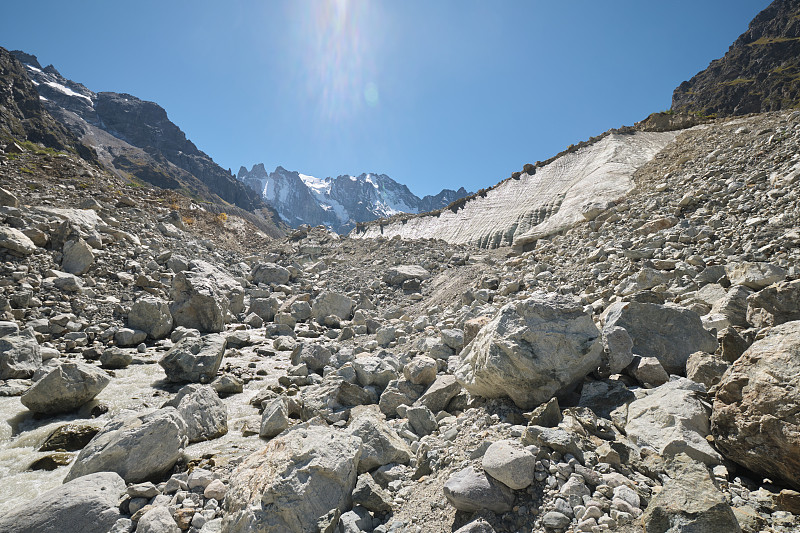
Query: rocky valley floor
[183,372]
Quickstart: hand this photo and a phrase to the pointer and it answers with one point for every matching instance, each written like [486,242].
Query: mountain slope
[136,140]
[22,115]
[339,203]
[760,72]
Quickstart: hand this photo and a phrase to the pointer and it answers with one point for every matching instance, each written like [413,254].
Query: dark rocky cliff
[760,72]
[22,115]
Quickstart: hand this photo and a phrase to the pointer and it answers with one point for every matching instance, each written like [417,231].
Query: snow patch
[66,90]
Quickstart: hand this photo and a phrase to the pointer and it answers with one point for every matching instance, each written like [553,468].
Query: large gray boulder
[139,448]
[470,491]
[77,257]
[510,463]
[532,350]
[756,415]
[203,411]
[15,241]
[314,356]
[668,333]
[151,315]
[65,388]
[202,297]
[332,303]
[195,359]
[295,480]
[381,444]
[20,354]
[689,502]
[671,419]
[89,504]
[396,275]
[270,273]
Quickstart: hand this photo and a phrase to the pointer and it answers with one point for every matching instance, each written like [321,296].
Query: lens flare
[339,56]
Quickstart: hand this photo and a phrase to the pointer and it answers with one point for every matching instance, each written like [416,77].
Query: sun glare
[339,71]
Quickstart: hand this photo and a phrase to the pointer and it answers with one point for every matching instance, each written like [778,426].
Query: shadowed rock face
[757,74]
[24,117]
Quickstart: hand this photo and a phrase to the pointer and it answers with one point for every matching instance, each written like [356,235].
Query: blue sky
[435,94]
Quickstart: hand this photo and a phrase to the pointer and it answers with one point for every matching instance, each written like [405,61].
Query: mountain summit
[760,72]
[340,202]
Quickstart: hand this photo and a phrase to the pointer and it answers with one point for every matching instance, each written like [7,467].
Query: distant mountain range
[338,203]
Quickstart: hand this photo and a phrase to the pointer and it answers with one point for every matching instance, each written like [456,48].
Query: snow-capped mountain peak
[339,202]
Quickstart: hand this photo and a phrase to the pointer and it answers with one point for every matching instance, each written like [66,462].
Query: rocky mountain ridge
[338,203]
[136,140]
[758,73]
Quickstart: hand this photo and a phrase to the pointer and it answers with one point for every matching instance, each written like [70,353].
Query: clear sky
[435,94]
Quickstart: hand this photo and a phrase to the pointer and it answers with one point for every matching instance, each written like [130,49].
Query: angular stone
[138,448]
[65,388]
[20,354]
[314,356]
[195,359]
[270,273]
[69,437]
[705,368]
[689,502]
[371,496]
[532,350]
[648,371]
[381,444]
[421,370]
[421,420]
[510,463]
[294,481]
[274,419]
[439,394]
[756,415]
[374,371]
[397,393]
[774,305]
[77,257]
[332,303]
[546,415]
[672,419]
[15,241]
[203,295]
[670,334]
[470,491]
[754,275]
[396,275]
[157,520]
[205,414]
[151,315]
[617,348]
[85,505]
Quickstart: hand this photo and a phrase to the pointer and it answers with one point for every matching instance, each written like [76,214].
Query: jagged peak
[26,59]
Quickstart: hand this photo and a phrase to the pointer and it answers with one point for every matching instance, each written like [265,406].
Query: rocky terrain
[339,203]
[623,375]
[606,341]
